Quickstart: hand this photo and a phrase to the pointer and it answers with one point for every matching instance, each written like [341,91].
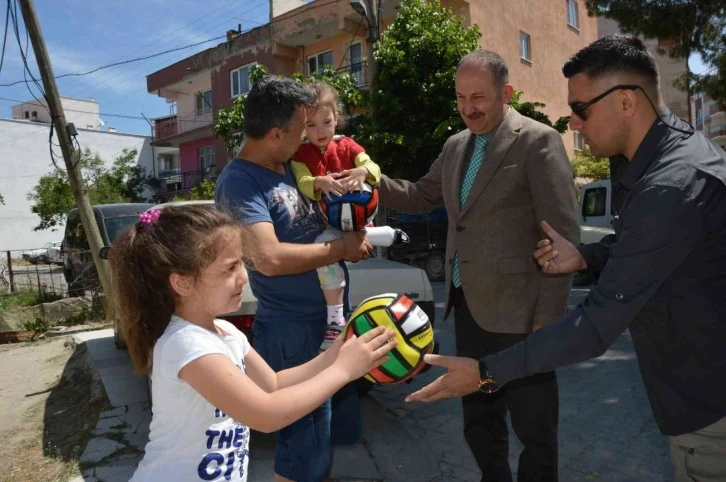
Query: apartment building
[535,38]
[709,118]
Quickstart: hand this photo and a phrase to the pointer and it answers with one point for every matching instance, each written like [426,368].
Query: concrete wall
[25,157]
[189,153]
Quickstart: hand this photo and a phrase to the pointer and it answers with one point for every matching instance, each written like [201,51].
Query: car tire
[74,291]
[121,345]
[435,266]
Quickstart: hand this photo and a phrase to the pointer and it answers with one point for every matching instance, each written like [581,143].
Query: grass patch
[26,297]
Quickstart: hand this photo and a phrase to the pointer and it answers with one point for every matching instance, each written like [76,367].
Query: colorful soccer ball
[413,331]
[353,210]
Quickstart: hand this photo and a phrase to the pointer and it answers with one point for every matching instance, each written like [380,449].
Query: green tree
[588,166]
[204,190]
[694,26]
[414,105]
[229,122]
[123,182]
[529,109]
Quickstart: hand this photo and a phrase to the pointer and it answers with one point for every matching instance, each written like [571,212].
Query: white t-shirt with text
[190,439]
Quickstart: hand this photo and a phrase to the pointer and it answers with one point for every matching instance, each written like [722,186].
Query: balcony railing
[171,126]
[359,71]
[170,183]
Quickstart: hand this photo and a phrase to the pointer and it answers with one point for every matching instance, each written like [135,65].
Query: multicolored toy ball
[353,210]
[413,331]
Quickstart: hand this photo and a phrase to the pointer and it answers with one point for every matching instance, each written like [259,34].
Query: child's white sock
[335,315]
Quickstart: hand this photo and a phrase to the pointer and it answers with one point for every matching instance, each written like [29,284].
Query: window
[356,63]
[593,203]
[204,103]
[318,61]
[579,144]
[525,50]
[240,80]
[572,18]
[34,114]
[206,158]
[27,114]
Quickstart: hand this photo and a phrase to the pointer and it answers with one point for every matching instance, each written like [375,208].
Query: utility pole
[75,178]
[370,10]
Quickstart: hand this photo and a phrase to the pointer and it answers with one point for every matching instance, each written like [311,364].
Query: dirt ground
[49,403]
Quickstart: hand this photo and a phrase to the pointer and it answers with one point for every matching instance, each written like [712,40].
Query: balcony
[171,126]
[359,71]
[174,182]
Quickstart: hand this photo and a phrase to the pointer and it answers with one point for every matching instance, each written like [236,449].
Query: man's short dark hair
[272,102]
[613,55]
[492,60]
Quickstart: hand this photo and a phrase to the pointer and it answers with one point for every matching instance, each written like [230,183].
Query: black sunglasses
[579,109]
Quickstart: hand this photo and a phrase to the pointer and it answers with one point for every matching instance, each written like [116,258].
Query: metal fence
[34,281]
[39,270]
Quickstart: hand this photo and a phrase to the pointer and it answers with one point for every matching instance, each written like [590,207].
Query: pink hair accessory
[148,218]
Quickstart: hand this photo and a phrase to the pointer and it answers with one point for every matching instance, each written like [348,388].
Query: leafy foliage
[588,166]
[529,109]
[694,26]
[125,181]
[414,109]
[229,122]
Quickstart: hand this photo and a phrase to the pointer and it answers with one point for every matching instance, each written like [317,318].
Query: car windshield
[116,226]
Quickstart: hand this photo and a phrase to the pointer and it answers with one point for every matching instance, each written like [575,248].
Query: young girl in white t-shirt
[172,273]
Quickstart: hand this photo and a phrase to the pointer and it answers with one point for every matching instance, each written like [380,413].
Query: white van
[595,216]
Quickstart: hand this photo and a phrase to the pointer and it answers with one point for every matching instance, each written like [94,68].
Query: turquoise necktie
[477,157]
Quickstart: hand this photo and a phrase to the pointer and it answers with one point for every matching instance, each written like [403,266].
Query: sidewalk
[387,451]
[606,428]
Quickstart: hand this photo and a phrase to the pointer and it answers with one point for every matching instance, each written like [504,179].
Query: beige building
[670,69]
[535,38]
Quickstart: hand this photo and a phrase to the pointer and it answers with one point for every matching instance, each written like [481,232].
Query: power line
[5,37]
[79,74]
[169,41]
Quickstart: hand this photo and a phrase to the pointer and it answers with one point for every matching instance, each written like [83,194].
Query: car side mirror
[104,252]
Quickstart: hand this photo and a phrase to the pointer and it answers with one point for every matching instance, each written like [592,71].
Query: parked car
[111,219]
[595,211]
[427,246]
[367,278]
[43,255]
[54,254]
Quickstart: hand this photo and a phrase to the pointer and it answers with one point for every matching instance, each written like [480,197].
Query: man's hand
[329,185]
[355,246]
[558,256]
[353,179]
[461,379]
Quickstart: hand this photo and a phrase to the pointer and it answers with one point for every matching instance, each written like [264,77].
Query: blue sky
[83,34]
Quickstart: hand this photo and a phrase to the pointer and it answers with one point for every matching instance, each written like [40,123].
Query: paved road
[606,432]
[49,277]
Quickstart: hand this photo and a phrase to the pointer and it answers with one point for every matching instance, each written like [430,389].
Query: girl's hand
[353,179]
[358,356]
[331,354]
[328,184]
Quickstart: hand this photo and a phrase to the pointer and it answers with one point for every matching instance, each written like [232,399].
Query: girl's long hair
[184,240]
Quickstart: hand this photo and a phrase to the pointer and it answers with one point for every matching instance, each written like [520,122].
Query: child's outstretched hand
[328,184]
[353,179]
[360,355]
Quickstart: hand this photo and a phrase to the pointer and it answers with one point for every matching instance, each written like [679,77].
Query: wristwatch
[486,382]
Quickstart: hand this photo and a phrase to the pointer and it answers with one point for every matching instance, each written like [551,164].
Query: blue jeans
[304,447]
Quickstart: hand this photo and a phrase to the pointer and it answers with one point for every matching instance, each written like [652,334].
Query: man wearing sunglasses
[662,274]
